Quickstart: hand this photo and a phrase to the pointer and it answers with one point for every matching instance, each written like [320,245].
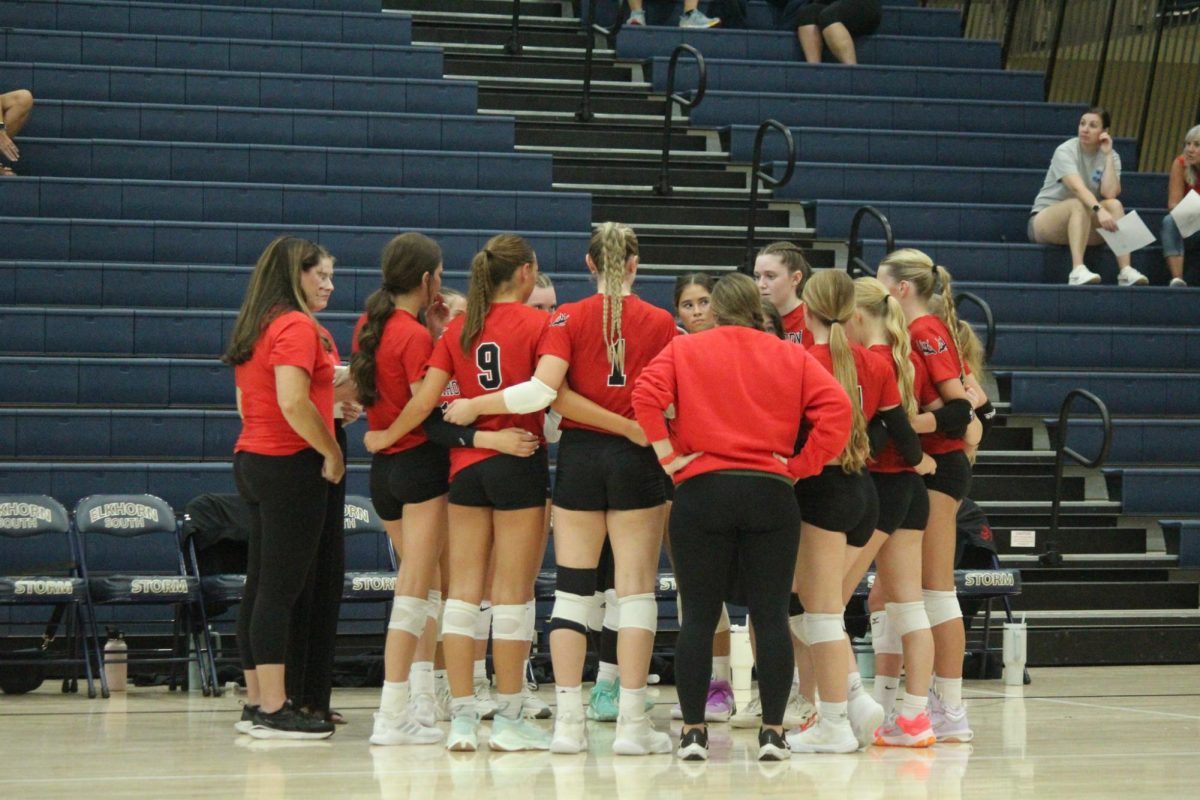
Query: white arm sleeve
[527,397]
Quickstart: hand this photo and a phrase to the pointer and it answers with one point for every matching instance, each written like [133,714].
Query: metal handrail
[1051,557]
[663,186]
[585,113]
[854,262]
[513,45]
[757,176]
[989,344]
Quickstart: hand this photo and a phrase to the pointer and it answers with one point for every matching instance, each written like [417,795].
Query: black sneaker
[288,723]
[772,746]
[693,745]
[244,724]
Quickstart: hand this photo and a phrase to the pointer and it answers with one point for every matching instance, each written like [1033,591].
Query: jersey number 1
[487,359]
[615,376]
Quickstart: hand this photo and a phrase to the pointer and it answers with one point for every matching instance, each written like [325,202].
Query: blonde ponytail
[949,314]
[873,298]
[611,247]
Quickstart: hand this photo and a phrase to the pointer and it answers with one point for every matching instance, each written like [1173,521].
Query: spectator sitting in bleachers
[1067,209]
[14,113]
[1185,177]
[692,16]
[830,22]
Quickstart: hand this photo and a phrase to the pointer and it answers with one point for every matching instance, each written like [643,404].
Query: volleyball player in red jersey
[912,278]
[839,508]
[780,270]
[284,460]
[734,503]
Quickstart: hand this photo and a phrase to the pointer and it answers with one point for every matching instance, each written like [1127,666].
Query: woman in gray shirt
[1079,195]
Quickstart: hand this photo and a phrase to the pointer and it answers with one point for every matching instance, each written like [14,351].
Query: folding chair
[131,557]
[41,570]
[370,569]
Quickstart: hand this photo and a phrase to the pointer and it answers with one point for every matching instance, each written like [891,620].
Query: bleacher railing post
[513,46]
[1108,28]
[585,113]
[758,176]
[1010,25]
[1055,40]
[854,260]
[1050,556]
[663,186]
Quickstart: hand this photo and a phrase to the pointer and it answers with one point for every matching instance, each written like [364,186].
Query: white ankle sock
[885,690]
[855,685]
[721,671]
[633,704]
[420,677]
[948,690]
[833,713]
[509,705]
[607,672]
[394,698]
[569,700]
[912,705]
[481,670]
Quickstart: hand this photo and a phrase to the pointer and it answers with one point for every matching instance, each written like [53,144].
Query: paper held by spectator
[1131,234]
[1186,214]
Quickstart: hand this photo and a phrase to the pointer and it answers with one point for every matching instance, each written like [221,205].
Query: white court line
[997,695]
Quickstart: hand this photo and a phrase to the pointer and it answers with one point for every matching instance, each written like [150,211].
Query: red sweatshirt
[740,396]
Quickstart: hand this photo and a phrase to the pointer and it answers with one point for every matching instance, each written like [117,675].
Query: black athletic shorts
[839,502]
[601,472]
[953,476]
[410,476]
[903,501]
[503,482]
[668,486]
[861,17]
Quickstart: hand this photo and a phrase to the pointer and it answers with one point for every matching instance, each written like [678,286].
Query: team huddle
[806,427]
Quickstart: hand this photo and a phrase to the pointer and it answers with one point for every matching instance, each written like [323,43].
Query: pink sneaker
[900,731]
[719,707]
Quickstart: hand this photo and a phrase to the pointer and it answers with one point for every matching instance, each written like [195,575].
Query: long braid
[612,245]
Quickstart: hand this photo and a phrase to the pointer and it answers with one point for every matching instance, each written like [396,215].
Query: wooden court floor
[1113,732]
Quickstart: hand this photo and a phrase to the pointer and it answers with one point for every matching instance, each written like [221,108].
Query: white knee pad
[483,624]
[572,611]
[434,610]
[941,606]
[884,640]
[639,611]
[612,610]
[596,616]
[408,615]
[796,624]
[530,619]
[821,628]
[459,618]
[723,622]
[508,623]
[904,618]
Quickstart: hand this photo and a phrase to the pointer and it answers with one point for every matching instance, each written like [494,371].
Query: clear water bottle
[116,667]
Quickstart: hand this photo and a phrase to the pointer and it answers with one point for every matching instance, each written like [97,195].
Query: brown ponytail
[492,267]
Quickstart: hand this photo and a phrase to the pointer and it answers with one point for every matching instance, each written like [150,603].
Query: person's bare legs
[469,551]
[840,43]
[578,539]
[899,565]
[1068,222]
[1117,210]
[517,561]
[937,567]
[811,43]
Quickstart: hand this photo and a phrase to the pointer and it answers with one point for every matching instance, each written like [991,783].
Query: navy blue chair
[131,557]
[41,571]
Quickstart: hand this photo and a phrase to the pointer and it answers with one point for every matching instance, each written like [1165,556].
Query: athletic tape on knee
[904,618]
[884,640]
[639,611]
[796,624]
[459,618]
[409,615]
[723,622]
[612,610]
[508,623]
[572,611]
[821,628]
[483,624]
[941,606]
[596,618]
[434,609]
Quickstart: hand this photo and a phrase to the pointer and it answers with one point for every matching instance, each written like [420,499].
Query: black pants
[287,498]
[732,530]
[315,618]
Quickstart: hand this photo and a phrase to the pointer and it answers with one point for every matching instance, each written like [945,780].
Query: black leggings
[729,529]
[860,17]
[287,498]
[315,617]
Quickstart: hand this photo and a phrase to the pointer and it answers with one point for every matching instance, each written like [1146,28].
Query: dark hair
[406,260]
[792,258]
[491,267]
[771,315]
[1101,112]
[274,289]
[702,279]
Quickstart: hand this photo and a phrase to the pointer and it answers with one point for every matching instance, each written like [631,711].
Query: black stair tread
[517,99]
[427,32]
[541,135]
[606,173]
[530,67]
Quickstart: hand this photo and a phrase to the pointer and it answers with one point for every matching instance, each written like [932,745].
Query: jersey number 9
[487,359]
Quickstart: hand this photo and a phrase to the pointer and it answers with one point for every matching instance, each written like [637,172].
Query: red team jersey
[932,343]
[889,459]
[576,335]
[876,379]
[740,396]
[293,340]
[794,329]
[504,354]
[400,359]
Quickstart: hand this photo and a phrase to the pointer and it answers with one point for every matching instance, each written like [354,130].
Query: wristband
[1096,208]
[668,458]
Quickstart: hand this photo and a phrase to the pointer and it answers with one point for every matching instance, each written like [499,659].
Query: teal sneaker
[509,735]
[603,704]
[464,734]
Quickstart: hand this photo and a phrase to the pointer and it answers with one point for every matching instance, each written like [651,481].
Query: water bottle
[741,662]
[116,667]
[1015,646]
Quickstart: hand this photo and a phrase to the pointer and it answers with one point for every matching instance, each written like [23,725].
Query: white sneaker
[423,709]
[1082,276]
[638,738]
[570,735]
[694,19]
[1128,276]
[464,734]
[636,18]
[750,716]
[441,696]
[512,735]
[824,737]
[484,703]
[949,723]
[532,706]
[799,713]
[394,729]
[1178,283]
[866,715]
